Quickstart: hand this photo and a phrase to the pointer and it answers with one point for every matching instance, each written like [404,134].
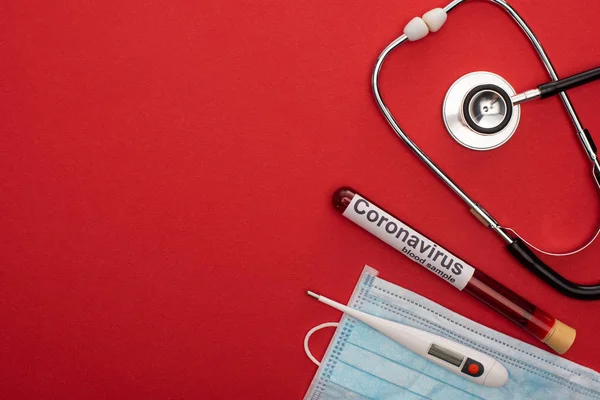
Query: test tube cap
[561,337]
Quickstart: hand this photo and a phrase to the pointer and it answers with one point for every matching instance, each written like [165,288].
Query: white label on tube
[409,242]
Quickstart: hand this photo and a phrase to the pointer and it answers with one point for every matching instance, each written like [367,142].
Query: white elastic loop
[309,334]
[570,253]
[594,177]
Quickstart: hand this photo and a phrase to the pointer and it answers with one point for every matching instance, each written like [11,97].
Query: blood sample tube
[452,269]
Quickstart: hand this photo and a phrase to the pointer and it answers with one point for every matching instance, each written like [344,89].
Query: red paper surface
[167,169]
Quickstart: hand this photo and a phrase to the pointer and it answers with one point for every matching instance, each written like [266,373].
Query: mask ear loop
[570,253]
[309,334]
[567,253]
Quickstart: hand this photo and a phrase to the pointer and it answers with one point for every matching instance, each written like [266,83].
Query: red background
[167,168]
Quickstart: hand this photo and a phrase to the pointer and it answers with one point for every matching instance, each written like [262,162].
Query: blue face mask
[361,363]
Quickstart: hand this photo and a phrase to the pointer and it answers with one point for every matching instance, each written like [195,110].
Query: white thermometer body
[455,357]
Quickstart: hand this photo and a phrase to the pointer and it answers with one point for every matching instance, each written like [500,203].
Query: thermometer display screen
[443,353]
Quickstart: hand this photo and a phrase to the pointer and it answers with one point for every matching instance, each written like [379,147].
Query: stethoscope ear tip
[432,21]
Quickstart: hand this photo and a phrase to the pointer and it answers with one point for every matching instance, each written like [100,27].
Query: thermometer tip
[312,294]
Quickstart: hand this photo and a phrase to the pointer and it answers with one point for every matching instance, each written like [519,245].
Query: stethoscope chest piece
[478,111]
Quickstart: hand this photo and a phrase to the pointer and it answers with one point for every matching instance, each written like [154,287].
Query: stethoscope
[481,111]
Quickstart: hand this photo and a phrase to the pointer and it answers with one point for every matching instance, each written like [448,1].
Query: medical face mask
[361,363]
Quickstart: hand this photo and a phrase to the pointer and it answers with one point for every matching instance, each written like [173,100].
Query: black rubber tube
[526,257]
[555,87]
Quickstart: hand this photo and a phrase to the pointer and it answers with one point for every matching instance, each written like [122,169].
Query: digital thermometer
[461,360]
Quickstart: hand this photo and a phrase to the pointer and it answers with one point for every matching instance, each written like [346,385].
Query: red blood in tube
[487,290]
[511,305]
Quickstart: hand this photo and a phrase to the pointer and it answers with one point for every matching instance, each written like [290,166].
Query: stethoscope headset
[481,111]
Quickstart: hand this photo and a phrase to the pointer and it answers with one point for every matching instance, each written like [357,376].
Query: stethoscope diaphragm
[478,111]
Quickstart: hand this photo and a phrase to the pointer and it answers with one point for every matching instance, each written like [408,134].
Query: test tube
[454,270]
